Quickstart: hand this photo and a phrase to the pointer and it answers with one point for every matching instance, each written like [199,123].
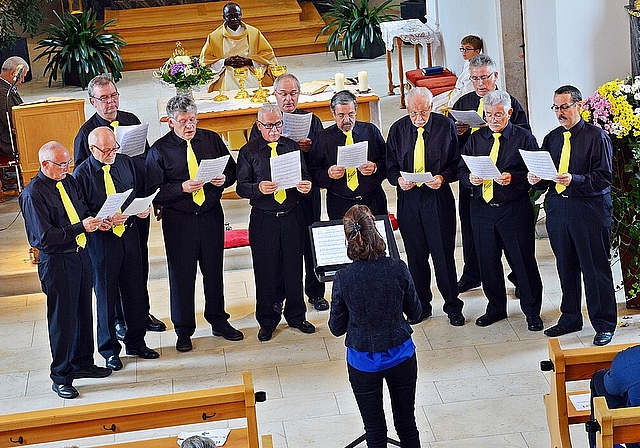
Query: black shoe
[319,303]
[304,326]
[65,390]
[265,333]
[534,323]
[456,319]
[154,324]
[423,316]
[602,337]
[144,352]
[485,320]
[93,372]
[464,285]
[516,292]
[557,330]
[113,363]
[228,332]
[184,344]
[120,331]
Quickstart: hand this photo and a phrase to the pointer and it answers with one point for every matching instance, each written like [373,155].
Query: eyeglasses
[287,94]
[464,50]
[563,107]
[106,98]
[277,125]
[106,151]
[421,113]
[183,123]
[351,115]
[481,78]
[63,165]
[497,115]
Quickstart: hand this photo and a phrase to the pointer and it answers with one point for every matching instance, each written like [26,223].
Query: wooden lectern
[38,123]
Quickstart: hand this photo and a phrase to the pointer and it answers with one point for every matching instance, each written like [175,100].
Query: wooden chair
[615,425]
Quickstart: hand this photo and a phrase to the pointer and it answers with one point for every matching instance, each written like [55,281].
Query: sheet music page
[296,126]
[132,139]
[286,170]
[419,178]
[353,156]
[468,117]
[210,168]
[113,203]
[139,205]
[539,163]
[330,244]
[482,166]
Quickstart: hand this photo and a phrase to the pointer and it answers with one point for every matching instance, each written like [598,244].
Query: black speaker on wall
[413,9]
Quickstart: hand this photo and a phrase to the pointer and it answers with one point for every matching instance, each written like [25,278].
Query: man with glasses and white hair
[192,219]
[104,97]
[276,226]
[483,74]
[426,142]
[501,212]
[347,187]
[57,222]
[115,253]
[286,89]
[579,217]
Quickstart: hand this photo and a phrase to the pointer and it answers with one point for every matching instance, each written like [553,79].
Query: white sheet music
[419,178]
[330,246]
[539,163]
[482,166]
[211,168]
[139,205]
[468,117]
[286,170]
[296,126]
[113,203]
[132,139]
[353,156]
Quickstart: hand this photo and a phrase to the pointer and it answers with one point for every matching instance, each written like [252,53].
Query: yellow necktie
[352,173]
[114,124]
[419,159]
[279,195]
[71,213]
[480,112]
[487,185]
[111,189]
[564,159]
[192,164]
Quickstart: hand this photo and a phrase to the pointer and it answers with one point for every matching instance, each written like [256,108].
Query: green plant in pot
[81,46]
[19,16]
[355,27]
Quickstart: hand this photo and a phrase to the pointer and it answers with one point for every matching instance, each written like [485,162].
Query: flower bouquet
[184,72]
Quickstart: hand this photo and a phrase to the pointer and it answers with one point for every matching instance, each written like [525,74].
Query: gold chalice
[277,70]
[241,74]
[220,96]
[260,95]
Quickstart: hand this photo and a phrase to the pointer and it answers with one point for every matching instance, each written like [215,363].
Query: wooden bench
[567,365]
[615,425]
[121,416]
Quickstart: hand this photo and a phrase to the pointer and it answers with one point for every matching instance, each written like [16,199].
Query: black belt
[68,251]
[358,198]
[278,214]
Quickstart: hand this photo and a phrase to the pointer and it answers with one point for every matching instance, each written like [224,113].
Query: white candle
[363,83]
[339,81]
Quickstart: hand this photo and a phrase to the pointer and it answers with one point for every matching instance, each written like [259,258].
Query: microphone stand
[16,157]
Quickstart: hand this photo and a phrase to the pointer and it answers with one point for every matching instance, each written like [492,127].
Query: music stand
[360,439]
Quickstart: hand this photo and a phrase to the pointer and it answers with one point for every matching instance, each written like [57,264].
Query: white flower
[625,88]
[184,59]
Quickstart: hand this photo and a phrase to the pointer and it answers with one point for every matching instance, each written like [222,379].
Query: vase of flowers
[615,107]
[184,72]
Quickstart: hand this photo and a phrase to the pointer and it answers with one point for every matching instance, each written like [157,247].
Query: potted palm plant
[81,48]
[354,27]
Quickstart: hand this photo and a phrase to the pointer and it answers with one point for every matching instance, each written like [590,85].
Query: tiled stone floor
[477,387]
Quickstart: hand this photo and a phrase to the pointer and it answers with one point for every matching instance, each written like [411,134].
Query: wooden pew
[121,416]
[616,425]
[567,365]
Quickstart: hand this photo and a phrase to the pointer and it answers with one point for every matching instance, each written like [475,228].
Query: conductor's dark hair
[363,240]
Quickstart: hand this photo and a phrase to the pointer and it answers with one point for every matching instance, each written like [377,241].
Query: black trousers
[191,240]
[66,281]
[376,201]
[277,244]
[508,226]
[427,221]
[118,276]
[579,232]
[471,269]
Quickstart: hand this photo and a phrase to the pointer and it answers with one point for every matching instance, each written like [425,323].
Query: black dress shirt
[589,163]
[13,100]
[509,161]
[90,176]
[167,169]
[45,219]
[254,167]
[325,155]
[440,148]
[471,101]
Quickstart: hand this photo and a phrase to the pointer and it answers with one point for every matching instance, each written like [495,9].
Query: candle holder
[220,96]
[260,95]
[241,74]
